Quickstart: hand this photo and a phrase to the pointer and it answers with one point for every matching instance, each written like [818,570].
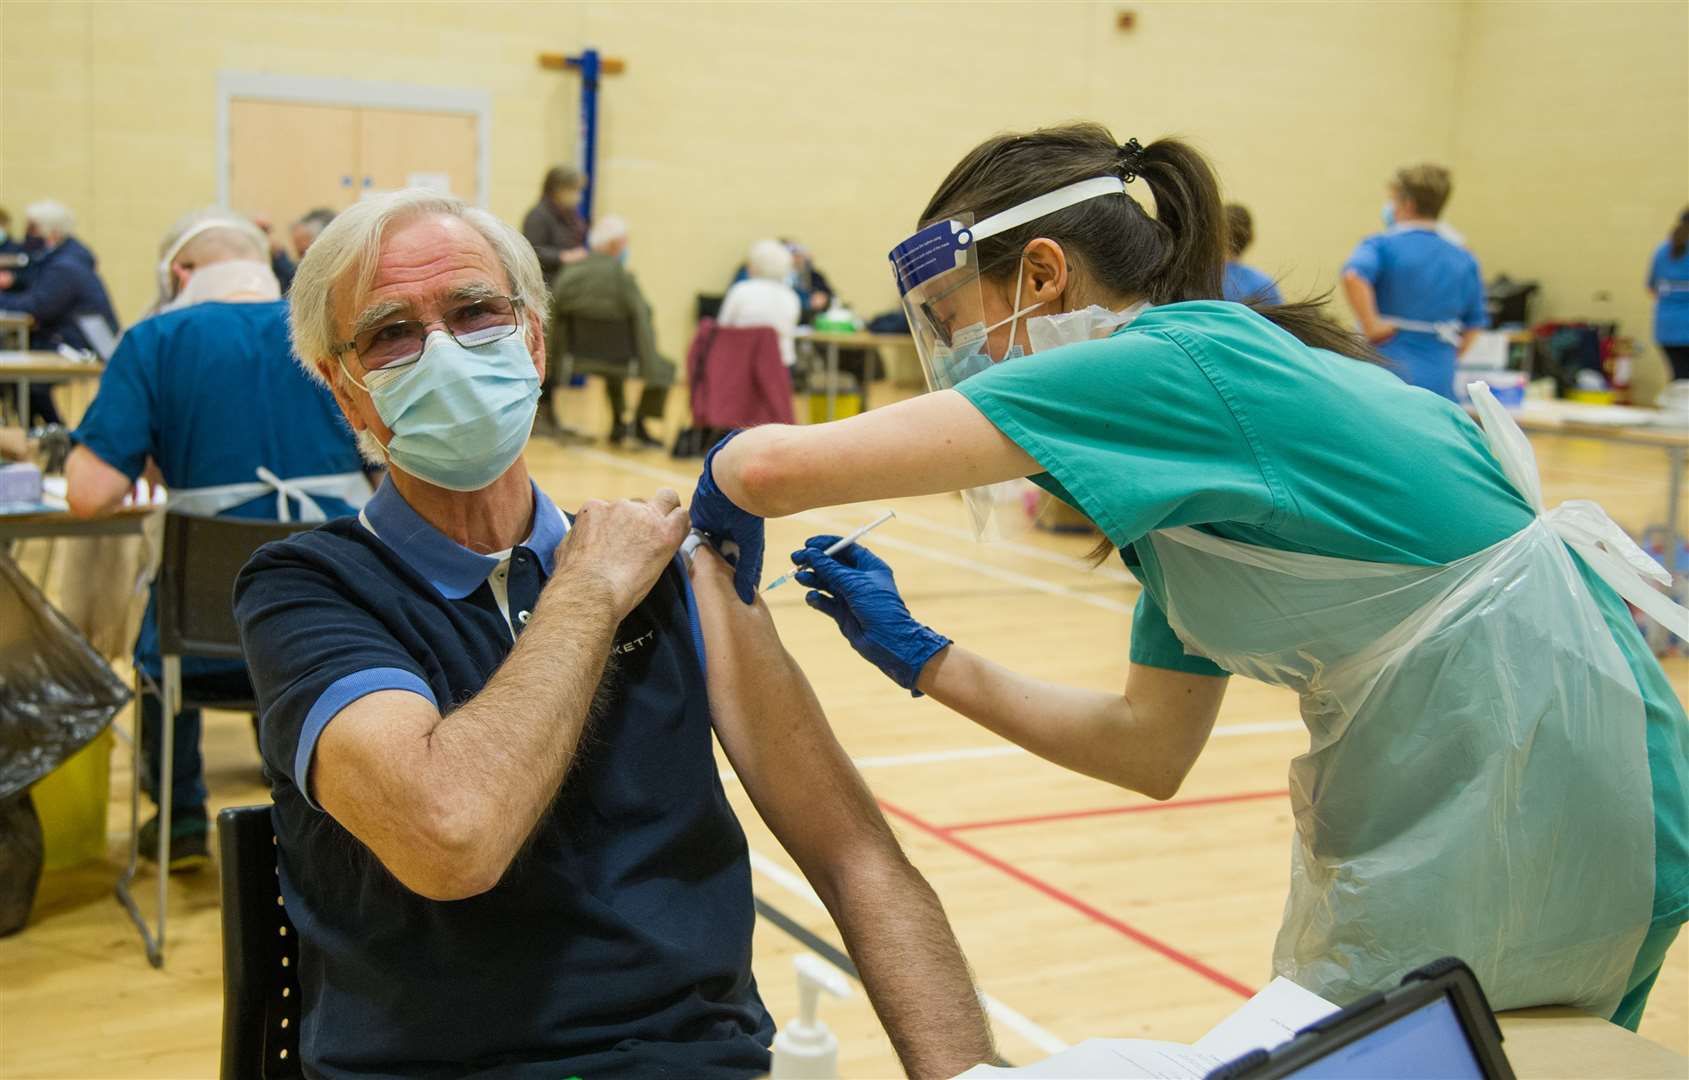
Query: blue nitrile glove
[861,596]
[733,532]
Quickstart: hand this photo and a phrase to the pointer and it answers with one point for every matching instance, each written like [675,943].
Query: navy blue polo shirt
[619,942]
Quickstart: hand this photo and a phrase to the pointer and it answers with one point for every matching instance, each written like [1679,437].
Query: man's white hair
[606,231]
[50,216]
[769,260]
[214,234]
[351,243]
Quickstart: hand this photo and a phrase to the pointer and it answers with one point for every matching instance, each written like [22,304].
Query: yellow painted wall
[734,121]
[832,123]
[1572,153]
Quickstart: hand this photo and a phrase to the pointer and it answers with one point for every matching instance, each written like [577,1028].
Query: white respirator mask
[1047,332]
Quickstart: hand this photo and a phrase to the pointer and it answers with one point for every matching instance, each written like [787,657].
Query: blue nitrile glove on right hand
[856,588]
[733,532]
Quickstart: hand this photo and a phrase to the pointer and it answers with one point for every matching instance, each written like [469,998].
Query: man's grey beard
[371,450]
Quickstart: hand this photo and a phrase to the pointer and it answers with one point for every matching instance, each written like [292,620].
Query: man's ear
[342,391]
[1046,272]
[536,342]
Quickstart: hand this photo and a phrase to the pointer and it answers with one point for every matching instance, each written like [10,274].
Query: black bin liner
[56,695]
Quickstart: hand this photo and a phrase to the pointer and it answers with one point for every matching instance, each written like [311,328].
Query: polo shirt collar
[451,568]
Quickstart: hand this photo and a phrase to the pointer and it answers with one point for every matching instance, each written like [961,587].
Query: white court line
[937,757]
[948,558]
[1009,1018]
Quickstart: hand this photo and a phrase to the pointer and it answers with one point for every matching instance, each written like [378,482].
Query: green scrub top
[1206,414]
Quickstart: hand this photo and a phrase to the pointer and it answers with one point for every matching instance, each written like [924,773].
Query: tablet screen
[1428,1042]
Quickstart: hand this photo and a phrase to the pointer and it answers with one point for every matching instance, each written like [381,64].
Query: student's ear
[1046,275]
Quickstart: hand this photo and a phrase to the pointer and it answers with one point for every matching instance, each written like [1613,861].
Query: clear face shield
[939,280]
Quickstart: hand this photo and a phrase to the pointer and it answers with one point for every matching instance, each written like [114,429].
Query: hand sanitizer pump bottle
[805,1049]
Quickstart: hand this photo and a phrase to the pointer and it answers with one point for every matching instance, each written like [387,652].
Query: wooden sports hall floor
[1085,910]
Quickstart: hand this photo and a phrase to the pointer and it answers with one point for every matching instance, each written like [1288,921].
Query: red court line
[1069,900]
[1135,808]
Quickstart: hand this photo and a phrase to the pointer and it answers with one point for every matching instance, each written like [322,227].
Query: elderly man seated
[601,287]
[502,834]
[209,392]
[62,292]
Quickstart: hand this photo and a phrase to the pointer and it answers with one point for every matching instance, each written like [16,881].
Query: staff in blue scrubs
[1243,283]
[1668,280]
[211,394]
[1414,287]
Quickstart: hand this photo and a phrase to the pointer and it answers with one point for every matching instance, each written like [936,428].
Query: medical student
[1668,280]
[1414,287]
[1243,282]
[1497,762]
[209,390]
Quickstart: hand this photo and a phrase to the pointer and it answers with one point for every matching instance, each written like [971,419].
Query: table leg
[23,403]
[832,379]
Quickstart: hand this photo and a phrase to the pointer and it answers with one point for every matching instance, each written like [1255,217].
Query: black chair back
[709,305]
[605,341]
[260,953]
[196,580]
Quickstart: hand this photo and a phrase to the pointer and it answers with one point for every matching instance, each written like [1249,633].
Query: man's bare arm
[93,487]
[806,789]
[446,801]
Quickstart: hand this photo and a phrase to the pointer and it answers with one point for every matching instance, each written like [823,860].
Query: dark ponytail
[1177,255]
[1680,236]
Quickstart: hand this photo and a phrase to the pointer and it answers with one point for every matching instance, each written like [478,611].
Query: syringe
[837,547]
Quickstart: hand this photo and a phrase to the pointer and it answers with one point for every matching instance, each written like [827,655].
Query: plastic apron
[1476,782]
[352,488]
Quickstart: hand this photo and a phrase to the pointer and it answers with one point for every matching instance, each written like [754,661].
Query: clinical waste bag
[56,695]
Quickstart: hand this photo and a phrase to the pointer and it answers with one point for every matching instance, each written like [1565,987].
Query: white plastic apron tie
[351,488]
[1583,525]
[1448,332]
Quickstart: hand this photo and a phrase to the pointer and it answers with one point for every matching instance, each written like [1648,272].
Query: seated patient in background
[602,288]
[210,392]
[60,289]
[502,835]
[765,297]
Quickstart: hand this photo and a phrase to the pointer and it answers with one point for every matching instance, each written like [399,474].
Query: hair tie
[1129,160]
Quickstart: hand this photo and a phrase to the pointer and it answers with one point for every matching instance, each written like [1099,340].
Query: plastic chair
[196,580]
[604,345]
[260,953]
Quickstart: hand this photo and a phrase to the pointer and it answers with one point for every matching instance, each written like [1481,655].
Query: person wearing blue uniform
[1242,282]
[1415,288]
[1668,280]
[210,393]
[63,287]
[1296,515]
[502,833]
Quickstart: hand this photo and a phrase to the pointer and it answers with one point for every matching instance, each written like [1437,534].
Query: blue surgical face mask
[460,417]
[1388,214]
[622,255]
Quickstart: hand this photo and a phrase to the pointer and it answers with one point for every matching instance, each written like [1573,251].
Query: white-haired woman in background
[765,298]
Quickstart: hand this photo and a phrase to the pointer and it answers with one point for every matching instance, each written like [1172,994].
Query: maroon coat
[736,377]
